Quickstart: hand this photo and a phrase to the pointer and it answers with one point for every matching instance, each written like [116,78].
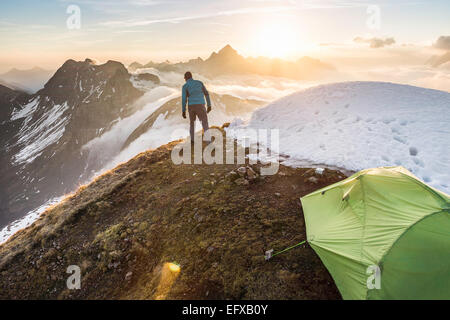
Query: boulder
[149,77]
[241,182]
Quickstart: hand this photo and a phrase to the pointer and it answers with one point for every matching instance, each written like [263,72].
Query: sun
[276,40]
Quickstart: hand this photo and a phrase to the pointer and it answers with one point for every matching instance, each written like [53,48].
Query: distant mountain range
[30,80]
[228,61]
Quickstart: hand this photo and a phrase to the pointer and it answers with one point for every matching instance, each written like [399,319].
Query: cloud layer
[442,43]
[376,42]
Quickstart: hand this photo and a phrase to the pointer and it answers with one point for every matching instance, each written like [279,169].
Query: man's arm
[206,93]
[183,99]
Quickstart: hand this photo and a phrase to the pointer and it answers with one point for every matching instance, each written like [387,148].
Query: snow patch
[26,111]
[40,134]
[359,125]
[26,221]
[108,144]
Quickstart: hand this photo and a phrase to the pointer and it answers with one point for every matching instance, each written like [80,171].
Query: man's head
[187,76]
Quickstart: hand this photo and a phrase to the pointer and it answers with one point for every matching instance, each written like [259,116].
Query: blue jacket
[194,92]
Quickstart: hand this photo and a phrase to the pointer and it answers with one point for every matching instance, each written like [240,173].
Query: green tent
[383,234]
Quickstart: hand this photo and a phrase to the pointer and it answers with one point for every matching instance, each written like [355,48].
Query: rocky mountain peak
[79,102]
[113,66]
[82,78]
[135,65]
[226,53]
[228,50]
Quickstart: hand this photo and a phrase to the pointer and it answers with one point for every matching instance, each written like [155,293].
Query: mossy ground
[127,224]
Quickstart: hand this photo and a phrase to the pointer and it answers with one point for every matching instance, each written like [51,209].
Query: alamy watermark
[74,280]
[262,145]
[374,279]
[373,21]
[73,22]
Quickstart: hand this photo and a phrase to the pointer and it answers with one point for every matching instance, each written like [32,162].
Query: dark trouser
[197,110]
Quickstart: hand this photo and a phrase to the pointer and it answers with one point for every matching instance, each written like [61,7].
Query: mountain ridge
[126,225]
[227,61]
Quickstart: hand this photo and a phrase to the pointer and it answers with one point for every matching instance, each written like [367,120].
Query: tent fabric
[383,217]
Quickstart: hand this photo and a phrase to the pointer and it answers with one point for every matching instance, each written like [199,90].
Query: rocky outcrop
[9,99]
[134,66]
[148,77]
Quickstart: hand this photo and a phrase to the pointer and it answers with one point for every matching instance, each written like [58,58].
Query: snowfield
[359,125]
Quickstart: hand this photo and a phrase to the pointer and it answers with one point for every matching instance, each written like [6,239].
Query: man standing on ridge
[194,93]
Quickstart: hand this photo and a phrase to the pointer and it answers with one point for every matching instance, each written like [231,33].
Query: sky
[43,33]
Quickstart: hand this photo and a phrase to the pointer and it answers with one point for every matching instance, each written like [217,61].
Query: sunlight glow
[276,40]
[169,273]
[174,267]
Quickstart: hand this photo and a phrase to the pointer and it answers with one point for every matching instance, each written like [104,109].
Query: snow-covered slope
[357,125]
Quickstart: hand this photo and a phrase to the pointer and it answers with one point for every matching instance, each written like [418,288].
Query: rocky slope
[9,99]
[124,228]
